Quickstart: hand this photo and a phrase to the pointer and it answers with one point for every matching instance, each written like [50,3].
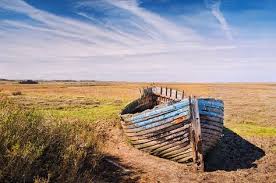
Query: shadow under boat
[232,153]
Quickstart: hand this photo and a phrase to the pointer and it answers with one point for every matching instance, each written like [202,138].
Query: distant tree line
[28,82]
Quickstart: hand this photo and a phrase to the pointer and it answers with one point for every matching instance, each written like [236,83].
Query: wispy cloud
[128,43]
[95,38]
[214,5]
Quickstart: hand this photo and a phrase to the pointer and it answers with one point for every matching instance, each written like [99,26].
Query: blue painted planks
[211,114]
[171,120]
[210,102]
[164,121]
[183,111]
[163,115]
[154,112]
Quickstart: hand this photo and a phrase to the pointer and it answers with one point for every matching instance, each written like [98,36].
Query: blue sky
[139,40]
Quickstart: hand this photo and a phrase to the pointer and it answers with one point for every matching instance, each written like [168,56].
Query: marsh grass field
[74,134]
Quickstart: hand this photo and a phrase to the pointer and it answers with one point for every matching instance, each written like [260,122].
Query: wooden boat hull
[165,125]
[211,112]
[164,132]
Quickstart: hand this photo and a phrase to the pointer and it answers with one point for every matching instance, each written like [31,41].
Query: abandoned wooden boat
[165,123]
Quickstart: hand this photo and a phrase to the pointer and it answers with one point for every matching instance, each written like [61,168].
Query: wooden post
[196,141]
[183,94]
[140,92]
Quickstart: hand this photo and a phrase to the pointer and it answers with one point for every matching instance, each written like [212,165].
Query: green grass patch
[273,149]
[253,130]
[101,112]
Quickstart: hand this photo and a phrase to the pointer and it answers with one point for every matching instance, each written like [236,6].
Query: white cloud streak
[214,5]
[53,36]
[157,34]
[132,43]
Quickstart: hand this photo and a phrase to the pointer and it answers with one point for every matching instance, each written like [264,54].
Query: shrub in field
[15,93]
[34,149]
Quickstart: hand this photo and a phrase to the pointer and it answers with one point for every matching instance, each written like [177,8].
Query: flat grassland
[247,152]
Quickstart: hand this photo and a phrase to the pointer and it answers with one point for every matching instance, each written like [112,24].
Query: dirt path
[237,160]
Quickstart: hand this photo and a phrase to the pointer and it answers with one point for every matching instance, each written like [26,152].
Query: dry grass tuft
[35,149]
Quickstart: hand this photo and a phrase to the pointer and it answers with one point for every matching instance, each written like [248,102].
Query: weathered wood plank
[180,154]
[211,109]
[212,123]
[174,120]
[211,132]
[187,154]
[210,118]
[171,147]
[150,117]
[195,134]
[161,151]
[156,112]
[174,149]
[212,127]
[182,112]
[211,102]
[158,132]
[136,141]
[178,137]
[211,114]
[186,160]
[156,148]
[158,125]
[162,133]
